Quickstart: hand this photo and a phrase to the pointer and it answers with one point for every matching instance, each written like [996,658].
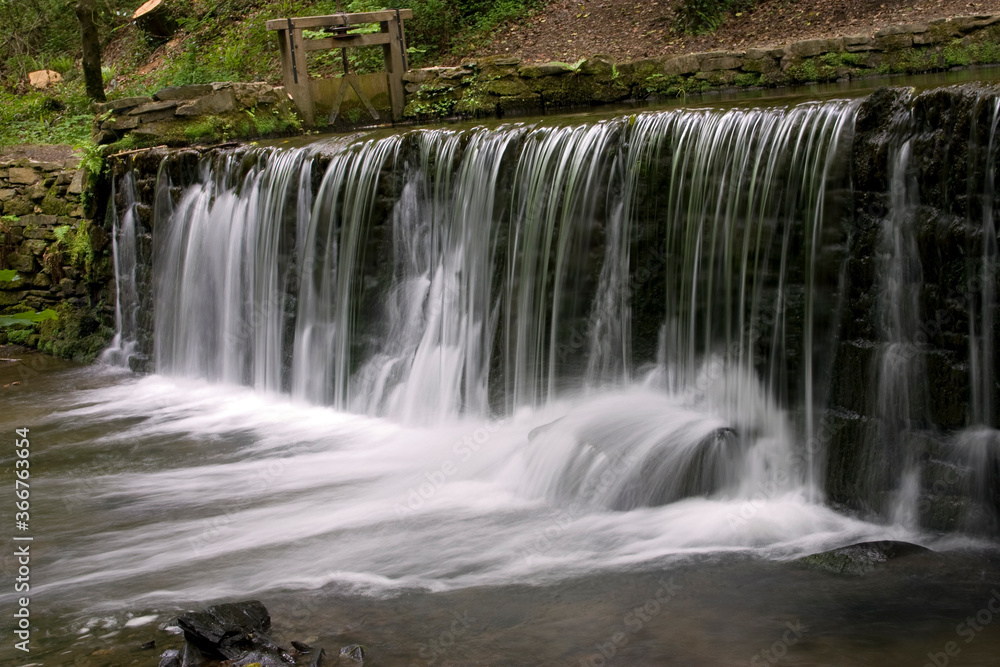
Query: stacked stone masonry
[493,86]
[39,199]
[177,115]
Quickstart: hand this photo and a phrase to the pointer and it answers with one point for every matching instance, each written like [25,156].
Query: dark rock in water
[355,652]
[170,658]
[233,631]
[861,558]
[148,645]
[191,657]
[261,658]
[317,659]
[301,647]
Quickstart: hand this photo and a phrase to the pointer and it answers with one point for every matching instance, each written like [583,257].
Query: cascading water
[395,361]
[430,271]
[125,238]
[977,448]
[902,381]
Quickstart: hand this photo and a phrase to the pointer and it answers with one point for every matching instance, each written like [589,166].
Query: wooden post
[395,66]
[295,71]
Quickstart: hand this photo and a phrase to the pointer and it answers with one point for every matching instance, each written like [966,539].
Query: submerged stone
[859,559]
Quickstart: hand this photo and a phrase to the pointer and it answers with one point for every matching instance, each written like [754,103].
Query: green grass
[61,115]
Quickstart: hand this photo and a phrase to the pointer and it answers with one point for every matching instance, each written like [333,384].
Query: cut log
[155,19]
[44,78]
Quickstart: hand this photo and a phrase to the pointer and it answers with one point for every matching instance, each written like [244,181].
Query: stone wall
[494,86]
[185,115]
[941,218]
[56,269]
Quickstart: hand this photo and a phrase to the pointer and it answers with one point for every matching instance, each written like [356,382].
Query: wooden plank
[395,66]
[338,19]
[296,78]
[373,39]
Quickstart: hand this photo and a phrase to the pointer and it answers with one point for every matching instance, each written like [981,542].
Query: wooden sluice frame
[294,47]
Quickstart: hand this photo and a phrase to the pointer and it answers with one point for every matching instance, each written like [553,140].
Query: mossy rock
[18,206]
[859,559]
[546,69]
[53,204]
[507,87]
[760,65]
[78,334]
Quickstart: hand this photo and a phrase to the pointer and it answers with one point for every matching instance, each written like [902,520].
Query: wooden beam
[395,65]
[338,19]
[295,73]
[373,39]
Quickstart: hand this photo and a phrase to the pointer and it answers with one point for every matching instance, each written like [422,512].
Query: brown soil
[629,30]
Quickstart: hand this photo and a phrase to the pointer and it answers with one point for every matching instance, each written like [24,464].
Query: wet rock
[355,652]
[191,657]
[260,658]
[860,559]
[151,644]
[317,658]
[171,658]
[234,631]
[301,647]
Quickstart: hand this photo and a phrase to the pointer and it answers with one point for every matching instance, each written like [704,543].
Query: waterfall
[666,288]
[982,320]
[124,240]
[441,273]
[901,393]
[976,449]
[537,352]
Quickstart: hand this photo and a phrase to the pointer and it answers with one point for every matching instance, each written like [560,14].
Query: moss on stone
[53,204]
[18,206]
[77,333]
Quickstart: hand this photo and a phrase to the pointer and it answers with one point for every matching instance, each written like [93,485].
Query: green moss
[957,54]
[844,59]
[748,80]
[53,204]
[20,336]
[247,124]
[910,61]
[77,334]
[986,52]
[812,70]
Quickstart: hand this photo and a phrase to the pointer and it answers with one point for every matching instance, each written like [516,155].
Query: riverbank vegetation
[226,40]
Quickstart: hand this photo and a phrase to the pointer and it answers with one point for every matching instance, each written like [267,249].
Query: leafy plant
[28,318]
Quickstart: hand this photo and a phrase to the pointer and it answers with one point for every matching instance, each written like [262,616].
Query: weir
[787,285]
[530,372]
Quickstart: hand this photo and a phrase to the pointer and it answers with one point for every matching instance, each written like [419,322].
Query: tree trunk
[91,50]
